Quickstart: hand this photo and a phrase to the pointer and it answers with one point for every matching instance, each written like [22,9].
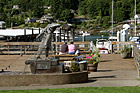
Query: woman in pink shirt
[71,48]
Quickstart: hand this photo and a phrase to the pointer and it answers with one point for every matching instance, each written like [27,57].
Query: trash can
[83,65]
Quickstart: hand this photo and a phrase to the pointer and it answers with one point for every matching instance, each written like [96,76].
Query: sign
[43,65]
[67,63]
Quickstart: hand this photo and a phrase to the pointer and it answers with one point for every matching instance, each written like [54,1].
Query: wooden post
[64,35]
[67,35]
[20,49]
[60,35]
[73,34]
[24,31]
[56,46]
[8,49]
[83,38]
[39,30]
[32,31]
[24,49]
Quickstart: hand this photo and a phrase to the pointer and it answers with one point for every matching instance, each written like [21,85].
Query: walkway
[113,71]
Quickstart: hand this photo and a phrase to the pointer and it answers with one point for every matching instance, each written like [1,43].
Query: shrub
[74,67]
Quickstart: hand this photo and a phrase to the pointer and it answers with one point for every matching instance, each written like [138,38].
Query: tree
[61,9]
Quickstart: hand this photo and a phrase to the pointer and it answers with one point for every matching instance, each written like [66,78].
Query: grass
[80,90]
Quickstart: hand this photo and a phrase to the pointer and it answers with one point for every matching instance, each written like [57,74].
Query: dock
[112,71]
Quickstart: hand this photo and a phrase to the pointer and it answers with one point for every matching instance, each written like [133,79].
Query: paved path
[113,71]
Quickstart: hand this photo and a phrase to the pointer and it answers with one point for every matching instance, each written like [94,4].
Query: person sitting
[64,49]
[71,48]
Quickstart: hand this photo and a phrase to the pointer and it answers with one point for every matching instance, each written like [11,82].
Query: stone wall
[43,79]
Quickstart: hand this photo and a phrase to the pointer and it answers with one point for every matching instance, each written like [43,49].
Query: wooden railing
[136,53]
[32,47]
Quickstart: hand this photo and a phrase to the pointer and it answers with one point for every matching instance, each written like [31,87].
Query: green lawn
[80,90]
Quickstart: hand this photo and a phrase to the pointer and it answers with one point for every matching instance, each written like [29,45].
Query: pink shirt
[71,48]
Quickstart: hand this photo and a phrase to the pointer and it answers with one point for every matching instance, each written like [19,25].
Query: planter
[125,55]
[92,67]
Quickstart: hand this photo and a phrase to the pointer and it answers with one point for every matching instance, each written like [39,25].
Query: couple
[70,49]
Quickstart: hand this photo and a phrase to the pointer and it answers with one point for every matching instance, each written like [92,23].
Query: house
[79,19]
[47,7]
[31,20]
[15,7]
[2,25]
[46,18]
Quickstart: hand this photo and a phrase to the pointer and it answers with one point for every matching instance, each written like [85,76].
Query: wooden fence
[136,53]
[32,47]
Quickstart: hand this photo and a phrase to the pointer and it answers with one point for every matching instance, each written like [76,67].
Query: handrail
[32,47]
[136,53]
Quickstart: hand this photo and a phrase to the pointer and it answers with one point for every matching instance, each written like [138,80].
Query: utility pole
[135,18]
[112,17]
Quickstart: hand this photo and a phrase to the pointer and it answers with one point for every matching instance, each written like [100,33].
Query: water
[89,38]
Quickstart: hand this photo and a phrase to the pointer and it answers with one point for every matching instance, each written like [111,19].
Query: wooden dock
[6,48]
[108,62]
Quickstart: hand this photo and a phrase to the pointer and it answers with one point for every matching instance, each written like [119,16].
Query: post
[83,38]
[64,36]
[135,18]
[67,35]
[32,31]
[56,46]
[112,17]
[73,35]
[24,31]
[60,35]
[8,49]
[39,30]
[20,49]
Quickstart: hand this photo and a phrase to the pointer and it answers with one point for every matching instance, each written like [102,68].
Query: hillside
[97,11]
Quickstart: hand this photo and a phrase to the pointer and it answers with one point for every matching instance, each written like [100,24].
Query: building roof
[17,32]
[2,22]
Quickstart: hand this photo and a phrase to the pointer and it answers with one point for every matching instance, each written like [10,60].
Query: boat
[112,38]
[103,45]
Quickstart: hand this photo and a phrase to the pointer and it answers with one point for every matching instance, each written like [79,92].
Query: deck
[112,71]
[111,63]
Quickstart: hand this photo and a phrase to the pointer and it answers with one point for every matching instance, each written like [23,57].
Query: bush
[126,49]
[74,67]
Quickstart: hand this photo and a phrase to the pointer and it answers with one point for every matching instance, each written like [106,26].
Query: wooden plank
[65,55]
[124,43]
[38,43]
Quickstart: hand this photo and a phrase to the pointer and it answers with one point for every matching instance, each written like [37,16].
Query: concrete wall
[43,79]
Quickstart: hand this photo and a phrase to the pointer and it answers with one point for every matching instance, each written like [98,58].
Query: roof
[67,26]
[2,22]
[17,32]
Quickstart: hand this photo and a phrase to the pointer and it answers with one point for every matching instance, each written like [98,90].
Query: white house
[31,20]
[46,18]
[15,7]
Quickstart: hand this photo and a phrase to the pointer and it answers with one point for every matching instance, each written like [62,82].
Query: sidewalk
[113,71]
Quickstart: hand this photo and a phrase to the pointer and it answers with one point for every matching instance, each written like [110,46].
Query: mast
[112,19]
[135,17]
